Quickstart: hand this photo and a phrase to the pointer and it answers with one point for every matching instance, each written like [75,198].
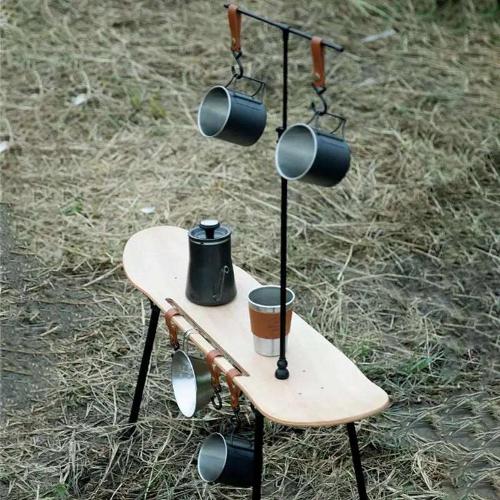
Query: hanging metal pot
[195,380]
[311,155]
[229,114]
[232,116]
[192,383]
[227,460]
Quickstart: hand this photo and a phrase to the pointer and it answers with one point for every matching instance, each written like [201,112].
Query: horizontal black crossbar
[286,27]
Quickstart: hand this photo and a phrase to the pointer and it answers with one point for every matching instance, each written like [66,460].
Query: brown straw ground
[398,266]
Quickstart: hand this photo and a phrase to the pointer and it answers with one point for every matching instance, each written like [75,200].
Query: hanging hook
[319,80]
[172,329]
[319,92]
[215,371]
[237,71]
[216,400]
[236,420]
[185,340]
[234,18]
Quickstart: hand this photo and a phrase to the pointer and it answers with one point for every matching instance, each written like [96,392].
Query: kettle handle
[219,289]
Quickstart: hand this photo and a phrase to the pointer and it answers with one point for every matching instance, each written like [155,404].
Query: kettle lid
[209,230]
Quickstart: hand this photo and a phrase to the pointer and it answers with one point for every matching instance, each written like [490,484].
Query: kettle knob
[209,225]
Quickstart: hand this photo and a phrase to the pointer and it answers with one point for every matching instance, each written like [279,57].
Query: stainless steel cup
[228,460]
[231,116]
[192,383]
[264,308]
[310,155]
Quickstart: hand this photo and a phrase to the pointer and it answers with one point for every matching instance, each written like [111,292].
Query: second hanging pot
[313,156]
[227,460]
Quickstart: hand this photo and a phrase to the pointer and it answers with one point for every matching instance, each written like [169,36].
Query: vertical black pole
[143,370]
[282,370]
[258,457]
[356,460]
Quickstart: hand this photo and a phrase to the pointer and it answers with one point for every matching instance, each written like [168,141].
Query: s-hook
[215,371]
[319,92]
[237,71]
[234,18]
[319,80]
[319,86]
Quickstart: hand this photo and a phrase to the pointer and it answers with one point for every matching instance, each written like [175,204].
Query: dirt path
[23,362]
[39,308]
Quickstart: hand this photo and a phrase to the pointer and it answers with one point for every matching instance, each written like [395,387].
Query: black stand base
[356,460]
[143,372]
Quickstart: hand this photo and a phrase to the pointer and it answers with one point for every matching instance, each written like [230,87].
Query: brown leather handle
[214,369]
[318,57]
[234,18]
[233,389]
[172,329]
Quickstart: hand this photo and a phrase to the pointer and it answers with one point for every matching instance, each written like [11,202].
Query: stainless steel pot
[192,382]
[228,460]
[310,155]
[232,116]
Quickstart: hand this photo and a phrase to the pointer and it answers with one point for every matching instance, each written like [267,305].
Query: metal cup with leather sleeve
[210,279]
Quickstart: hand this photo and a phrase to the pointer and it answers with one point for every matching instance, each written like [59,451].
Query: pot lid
[209,230]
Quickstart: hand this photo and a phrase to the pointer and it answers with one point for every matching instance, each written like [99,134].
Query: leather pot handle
[172,329]
[233,389]
[234,18]
[213,368]
[318,57]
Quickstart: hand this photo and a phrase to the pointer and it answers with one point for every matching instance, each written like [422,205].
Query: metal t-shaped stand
[282,372]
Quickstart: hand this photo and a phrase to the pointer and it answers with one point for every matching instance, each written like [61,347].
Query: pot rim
[266,307]
[192,382]
[315,152]
[228,112]
[205,442]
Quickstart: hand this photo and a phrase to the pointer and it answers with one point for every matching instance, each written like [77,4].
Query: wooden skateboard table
[325,388]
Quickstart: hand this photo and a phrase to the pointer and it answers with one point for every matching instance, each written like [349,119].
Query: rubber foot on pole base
[282,372]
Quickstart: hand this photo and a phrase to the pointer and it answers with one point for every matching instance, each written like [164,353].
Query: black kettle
[210,280]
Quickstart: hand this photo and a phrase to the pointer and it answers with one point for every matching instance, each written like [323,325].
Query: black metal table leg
[258,458]
[143,370]
[356,460]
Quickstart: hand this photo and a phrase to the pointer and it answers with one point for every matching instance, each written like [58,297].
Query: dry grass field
[398,266]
